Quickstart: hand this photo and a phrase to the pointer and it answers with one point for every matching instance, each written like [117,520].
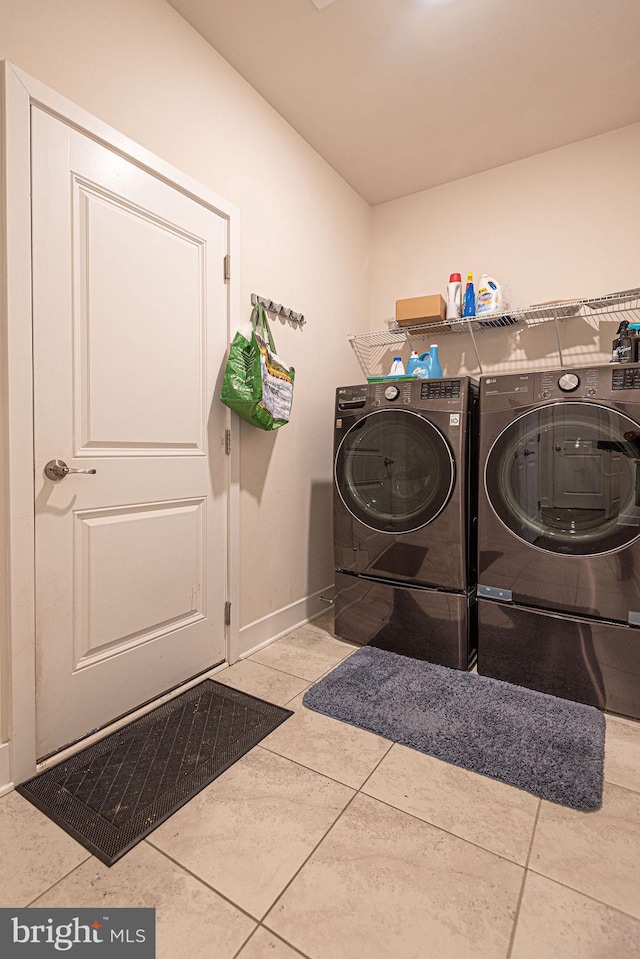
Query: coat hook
[272,307]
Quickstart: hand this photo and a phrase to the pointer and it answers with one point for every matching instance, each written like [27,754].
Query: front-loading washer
[559,533]
[405,517]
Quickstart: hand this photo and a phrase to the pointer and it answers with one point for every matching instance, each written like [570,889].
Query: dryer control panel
[597,383]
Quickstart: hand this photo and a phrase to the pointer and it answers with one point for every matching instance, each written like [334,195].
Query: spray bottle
[469,297]
[623,347]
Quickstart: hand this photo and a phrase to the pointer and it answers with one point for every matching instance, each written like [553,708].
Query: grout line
[61,879]
[296,762]
[533,834]
[586,895]
[275,936]
[302,865]
[516,916]
[447,832]
[627,789]
[612,782]
[361,788]
[250,659]
[301,693]
[246,942]
[278,670]
[202,881]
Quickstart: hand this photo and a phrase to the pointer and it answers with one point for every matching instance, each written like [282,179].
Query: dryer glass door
[394,471]
[566,478]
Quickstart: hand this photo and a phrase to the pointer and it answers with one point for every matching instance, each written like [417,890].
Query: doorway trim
[17,551]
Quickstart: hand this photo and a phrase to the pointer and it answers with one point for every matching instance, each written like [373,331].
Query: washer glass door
[566,478]
[394,471]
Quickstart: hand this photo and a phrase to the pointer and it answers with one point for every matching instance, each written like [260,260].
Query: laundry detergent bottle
[469,297]
[434,370]
[489,296]
[454,297]
[417,365]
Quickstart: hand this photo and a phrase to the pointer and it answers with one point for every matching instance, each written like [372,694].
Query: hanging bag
[257,384]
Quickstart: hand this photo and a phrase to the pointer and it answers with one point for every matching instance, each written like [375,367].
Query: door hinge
[227,442]
[227,267]
[227,614]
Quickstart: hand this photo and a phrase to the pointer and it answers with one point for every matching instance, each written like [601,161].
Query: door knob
[58,469]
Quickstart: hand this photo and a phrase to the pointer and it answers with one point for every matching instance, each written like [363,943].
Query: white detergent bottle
[454,297]
[489,296]
[397,367]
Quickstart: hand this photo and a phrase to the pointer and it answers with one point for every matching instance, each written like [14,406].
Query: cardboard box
[422,311]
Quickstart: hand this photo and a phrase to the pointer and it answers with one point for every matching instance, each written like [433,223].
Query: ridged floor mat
[115,792]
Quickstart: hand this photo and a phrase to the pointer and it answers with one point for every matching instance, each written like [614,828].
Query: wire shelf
[371,349]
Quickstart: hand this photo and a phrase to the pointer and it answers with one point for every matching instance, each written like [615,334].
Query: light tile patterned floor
[328,842]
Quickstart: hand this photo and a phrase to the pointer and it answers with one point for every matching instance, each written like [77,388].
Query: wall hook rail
[272,307]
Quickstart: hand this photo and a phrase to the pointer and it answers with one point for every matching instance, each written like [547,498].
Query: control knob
[569,382]
[392,393]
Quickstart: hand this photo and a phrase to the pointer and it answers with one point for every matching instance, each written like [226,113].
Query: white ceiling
[402,95]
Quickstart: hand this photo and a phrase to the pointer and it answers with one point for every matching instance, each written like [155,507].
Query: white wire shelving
[372,348]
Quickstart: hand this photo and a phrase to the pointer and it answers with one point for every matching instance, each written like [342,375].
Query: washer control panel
[351,397]
[625,378]
[407,392]
[439,389]
[569,382]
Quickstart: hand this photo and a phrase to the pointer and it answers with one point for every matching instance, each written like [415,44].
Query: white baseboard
[5,769]
[264,631]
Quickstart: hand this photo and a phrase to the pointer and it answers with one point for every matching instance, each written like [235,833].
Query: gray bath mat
[550,747]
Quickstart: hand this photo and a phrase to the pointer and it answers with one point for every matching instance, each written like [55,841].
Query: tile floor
[326,841]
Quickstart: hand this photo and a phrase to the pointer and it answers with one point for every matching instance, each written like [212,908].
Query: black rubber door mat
[115,792]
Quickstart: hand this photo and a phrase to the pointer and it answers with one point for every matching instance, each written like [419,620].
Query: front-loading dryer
[405,515]
[559,533]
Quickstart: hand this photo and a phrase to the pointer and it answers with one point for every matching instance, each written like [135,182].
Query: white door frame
[17,555]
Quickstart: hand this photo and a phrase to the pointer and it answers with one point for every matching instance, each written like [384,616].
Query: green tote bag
[257,384]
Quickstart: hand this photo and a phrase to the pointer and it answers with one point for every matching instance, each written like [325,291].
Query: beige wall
[305,241]
[559,225]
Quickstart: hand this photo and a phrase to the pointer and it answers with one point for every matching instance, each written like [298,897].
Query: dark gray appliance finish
[405,517]
[420,622]
[588,660]
[559,531]
[404,506]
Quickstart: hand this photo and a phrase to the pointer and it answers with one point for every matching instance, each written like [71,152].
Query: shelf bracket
[475,349]
[557,326]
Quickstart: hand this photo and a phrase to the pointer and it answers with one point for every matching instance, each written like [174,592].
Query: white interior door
[130,330]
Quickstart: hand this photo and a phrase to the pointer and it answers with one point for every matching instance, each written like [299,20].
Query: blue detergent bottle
[469,297]
[417,365]
[434,370]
